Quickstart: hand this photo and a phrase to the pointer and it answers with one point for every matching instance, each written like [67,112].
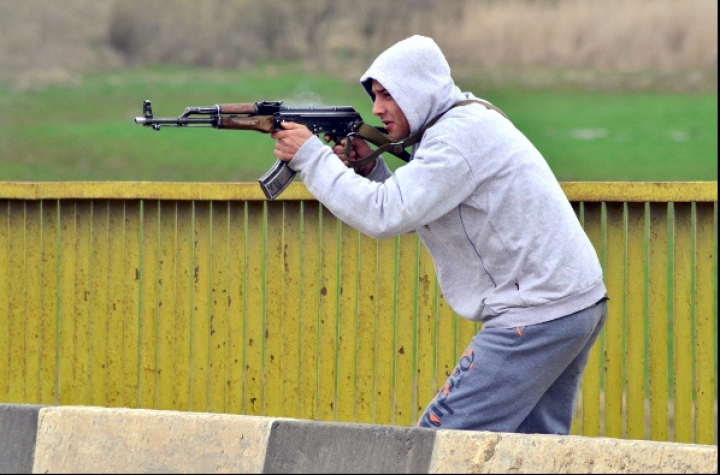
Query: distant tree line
[554,33]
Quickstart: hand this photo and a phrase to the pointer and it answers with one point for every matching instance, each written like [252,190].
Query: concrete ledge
[96,440]
[485,452]
[75,439]
[18,430]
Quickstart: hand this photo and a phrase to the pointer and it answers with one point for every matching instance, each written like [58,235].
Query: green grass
[619,136]
[87,131]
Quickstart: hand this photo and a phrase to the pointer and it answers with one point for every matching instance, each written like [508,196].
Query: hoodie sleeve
[381,172]
[433,183]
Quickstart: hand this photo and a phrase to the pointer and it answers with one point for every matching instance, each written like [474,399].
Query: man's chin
[393,136]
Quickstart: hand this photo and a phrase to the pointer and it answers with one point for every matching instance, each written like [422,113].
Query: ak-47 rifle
[337,121]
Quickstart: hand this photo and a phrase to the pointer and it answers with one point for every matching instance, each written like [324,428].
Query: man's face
[389,112]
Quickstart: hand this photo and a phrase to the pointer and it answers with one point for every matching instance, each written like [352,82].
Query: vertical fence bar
[615,324]
[405,335]
[130,211]
[682,330]
[81,312]
[255,311]
[110,243]
[5,299]
[149,279]
[591,382]
[384,335]
[105,333]
[166,318]
[49,297]
[445,351]
[576,425]
[347,322]
[15,269]
[201,317]
[184,300]
[310,342]
[329,291]
[218,295]
[237,314]
[705,318]
[274,302]
[415,284]
[426,371]
[365,329]
[33,326]
[635,308]
[67,297]
[291,333]
[658,316]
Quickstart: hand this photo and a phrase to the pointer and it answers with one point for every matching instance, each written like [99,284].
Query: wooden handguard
[260,123]
[245,108]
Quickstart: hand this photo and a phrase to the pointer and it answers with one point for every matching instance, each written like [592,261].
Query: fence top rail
[687,191]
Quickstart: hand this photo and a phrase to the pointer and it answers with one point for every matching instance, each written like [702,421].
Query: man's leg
[553,414]
[505,372]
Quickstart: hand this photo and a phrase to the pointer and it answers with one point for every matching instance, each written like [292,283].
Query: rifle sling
[385,144]
[377,138]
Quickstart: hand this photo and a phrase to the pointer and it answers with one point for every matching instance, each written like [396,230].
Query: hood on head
[417,75]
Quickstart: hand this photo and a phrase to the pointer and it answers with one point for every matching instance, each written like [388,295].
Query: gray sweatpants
[523,379]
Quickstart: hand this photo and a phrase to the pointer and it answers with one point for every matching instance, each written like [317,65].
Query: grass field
[86,132]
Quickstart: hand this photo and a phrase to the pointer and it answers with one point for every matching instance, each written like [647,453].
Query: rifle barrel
[178,121]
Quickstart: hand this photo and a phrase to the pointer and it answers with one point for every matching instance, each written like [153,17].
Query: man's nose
[377,108]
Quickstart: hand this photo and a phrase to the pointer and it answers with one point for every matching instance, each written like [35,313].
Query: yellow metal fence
[206,297]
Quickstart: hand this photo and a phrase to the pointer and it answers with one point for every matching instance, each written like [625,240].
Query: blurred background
[607,90]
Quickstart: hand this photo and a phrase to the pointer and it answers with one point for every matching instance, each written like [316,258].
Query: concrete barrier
[321,447]
[486,452]
[96,440]
[76,439]
[18,431]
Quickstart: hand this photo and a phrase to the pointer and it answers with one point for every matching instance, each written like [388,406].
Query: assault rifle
[266,116]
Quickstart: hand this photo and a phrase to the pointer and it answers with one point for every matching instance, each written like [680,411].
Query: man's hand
[293,136]
[359,149]
[289,140]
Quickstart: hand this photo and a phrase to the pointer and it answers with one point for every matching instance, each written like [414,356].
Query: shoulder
[477,109]
[473,118]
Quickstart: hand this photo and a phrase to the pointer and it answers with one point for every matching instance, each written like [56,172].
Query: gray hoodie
[507,247]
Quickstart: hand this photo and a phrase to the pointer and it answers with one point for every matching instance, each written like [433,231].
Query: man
[508,249]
